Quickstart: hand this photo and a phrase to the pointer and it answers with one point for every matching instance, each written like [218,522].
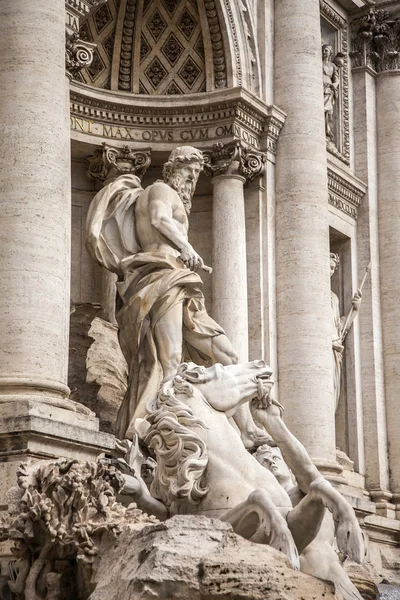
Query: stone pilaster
[376,49]
[230,166]
[302,248]
[107,163]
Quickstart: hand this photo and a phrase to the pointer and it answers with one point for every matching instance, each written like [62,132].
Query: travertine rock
[97,369]
[107,368]
[201,559]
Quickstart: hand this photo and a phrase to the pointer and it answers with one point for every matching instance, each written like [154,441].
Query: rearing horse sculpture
[203,467]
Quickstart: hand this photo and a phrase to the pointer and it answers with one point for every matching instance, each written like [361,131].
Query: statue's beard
[184,189]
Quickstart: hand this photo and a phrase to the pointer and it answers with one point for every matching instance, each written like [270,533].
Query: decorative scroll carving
[58,515]
[78,54]
[341,147]
[110,161]
[376,41]
[234,158]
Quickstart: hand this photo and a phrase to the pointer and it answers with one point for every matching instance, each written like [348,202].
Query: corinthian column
[302,240]
[34,201]
[230,166]
[35,229]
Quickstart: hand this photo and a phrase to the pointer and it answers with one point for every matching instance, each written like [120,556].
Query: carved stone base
[34,430]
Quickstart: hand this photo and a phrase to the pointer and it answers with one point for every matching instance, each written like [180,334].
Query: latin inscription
[188,136]
[72,21]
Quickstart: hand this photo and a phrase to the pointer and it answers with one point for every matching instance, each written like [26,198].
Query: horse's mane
[181,454]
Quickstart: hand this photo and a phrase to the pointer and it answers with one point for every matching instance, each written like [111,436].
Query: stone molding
[345,192]
[376,39]
[235,159]
[201,121]
[111,160]
[342,150]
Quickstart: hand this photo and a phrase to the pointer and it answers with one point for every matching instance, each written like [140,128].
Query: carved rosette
[234,158]
[376,41]
[111,161]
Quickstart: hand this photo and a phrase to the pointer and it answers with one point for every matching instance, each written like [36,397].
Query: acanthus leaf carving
[111,161]
[376,41]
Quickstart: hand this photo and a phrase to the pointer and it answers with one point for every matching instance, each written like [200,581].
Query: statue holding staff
[341,326]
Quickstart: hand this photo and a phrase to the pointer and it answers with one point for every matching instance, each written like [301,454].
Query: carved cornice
[272,130]
[201,121]
[376,40]
[234,158]
[340,24]
[110,161]
[344,194]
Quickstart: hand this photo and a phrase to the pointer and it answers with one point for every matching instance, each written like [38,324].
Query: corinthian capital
[234,158]
[376,40]
[110,161]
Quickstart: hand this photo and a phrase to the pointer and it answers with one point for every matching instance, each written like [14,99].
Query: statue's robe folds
[149,285]
[337,347]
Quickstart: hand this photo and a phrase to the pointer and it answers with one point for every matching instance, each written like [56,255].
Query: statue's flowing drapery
[149,285]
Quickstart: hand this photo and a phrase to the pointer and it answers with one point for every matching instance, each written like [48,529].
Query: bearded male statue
[142,235]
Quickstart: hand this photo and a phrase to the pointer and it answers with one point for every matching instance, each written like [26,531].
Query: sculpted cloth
[149,285]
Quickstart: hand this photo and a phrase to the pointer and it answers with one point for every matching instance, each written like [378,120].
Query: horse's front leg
[258,518]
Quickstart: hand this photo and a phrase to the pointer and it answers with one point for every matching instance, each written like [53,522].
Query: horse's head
[226,387]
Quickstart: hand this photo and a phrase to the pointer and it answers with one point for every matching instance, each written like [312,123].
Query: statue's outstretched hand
[190,258]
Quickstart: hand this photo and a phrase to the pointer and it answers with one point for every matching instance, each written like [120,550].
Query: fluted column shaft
[302,242]
[34,200]
[388,119]
[229,281]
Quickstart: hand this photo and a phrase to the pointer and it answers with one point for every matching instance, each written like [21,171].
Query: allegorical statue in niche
[142,236]
[331,79]
[340,328]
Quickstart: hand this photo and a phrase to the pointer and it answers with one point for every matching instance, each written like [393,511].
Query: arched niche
[171,47]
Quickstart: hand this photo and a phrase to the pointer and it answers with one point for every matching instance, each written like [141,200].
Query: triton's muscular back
[161,220]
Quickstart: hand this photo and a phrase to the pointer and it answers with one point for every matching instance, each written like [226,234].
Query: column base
[330,469]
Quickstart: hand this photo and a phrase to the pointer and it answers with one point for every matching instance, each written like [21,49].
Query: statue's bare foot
[255,437]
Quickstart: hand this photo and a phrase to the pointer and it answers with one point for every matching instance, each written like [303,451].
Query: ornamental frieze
[237,115]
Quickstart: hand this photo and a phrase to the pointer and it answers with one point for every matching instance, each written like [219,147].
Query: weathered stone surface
[201,559]
[97,369]
[107,369]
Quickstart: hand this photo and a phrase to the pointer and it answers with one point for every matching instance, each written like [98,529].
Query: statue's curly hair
[182,154]
[181,454]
